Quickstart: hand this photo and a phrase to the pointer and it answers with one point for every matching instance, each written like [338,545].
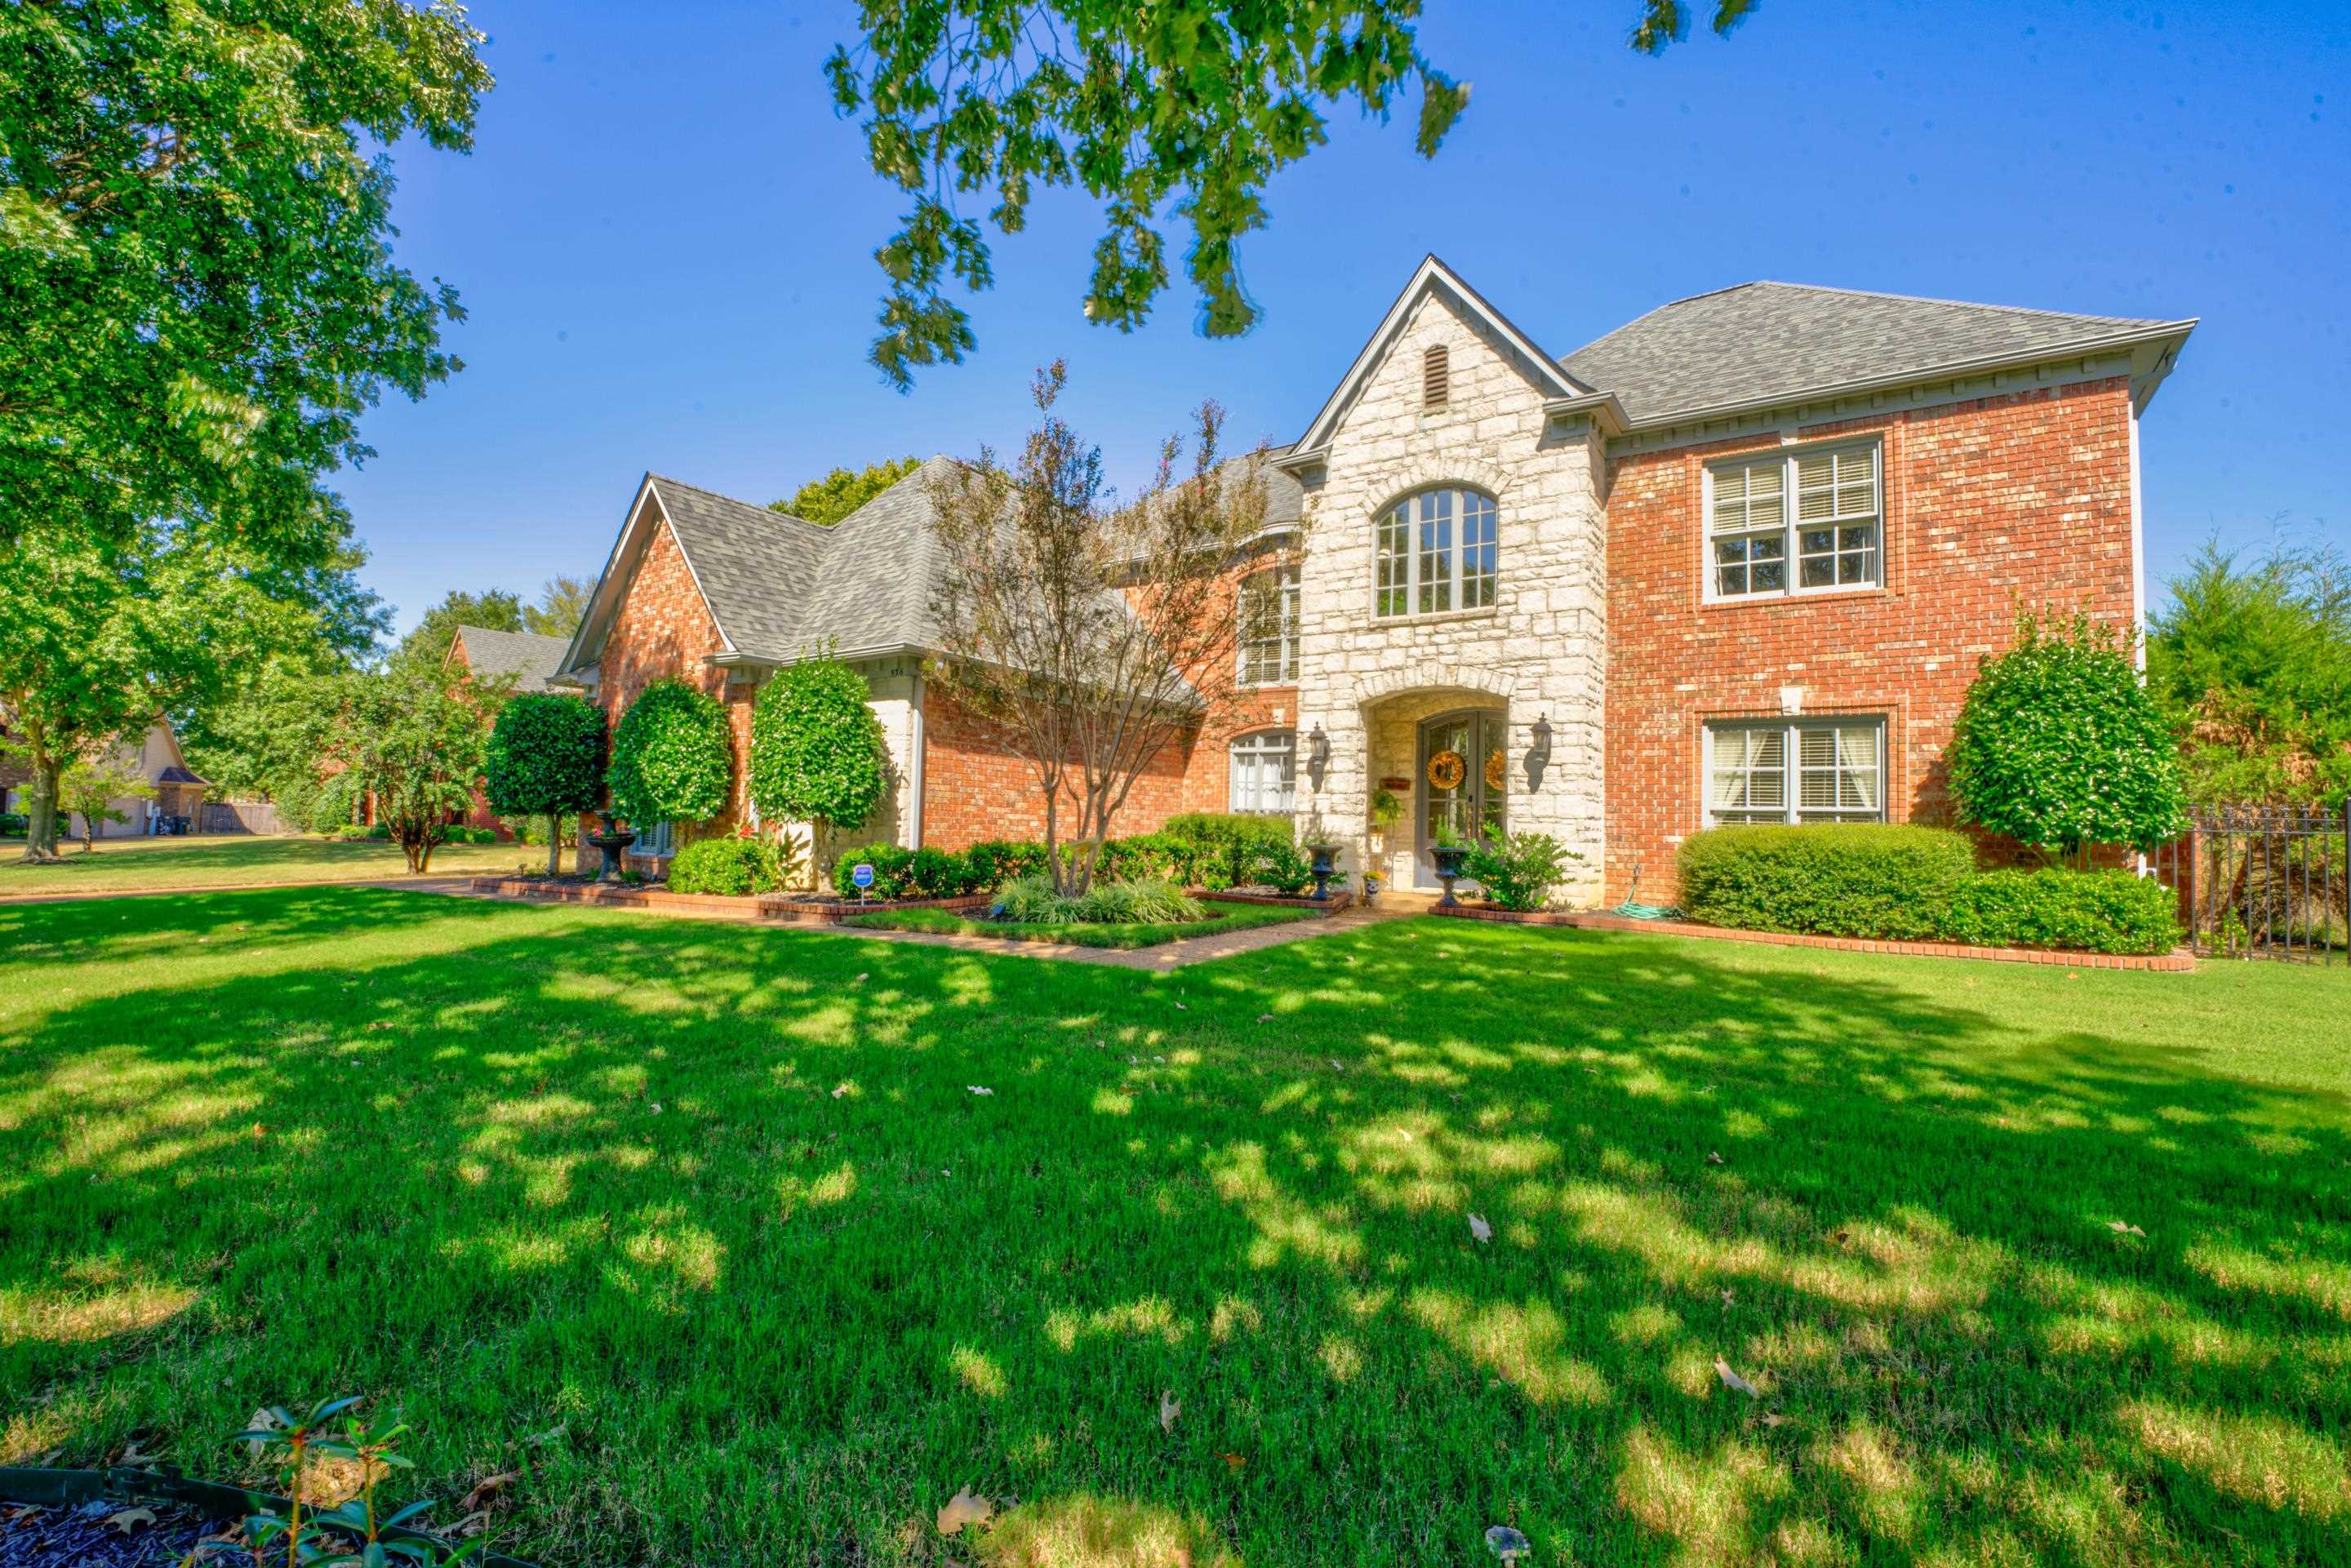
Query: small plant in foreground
[349,1535]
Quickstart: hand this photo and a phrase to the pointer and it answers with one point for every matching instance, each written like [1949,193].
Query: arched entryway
[1462,783]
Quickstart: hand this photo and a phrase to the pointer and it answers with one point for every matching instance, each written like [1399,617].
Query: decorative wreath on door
[1445,770]
[1497,769]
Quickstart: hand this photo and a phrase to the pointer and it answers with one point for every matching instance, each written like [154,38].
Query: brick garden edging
[1331,905]
[2178,961]
[749,906]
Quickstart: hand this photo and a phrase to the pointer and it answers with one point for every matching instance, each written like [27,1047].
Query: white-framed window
[1796,770]
[655,840]
[1265,772]
[1268,627]
[1437,550]
[1800,520]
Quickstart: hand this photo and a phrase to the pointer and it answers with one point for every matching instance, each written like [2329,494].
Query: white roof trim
[1426,276]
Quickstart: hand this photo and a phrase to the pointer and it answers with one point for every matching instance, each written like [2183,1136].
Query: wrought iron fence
[2258,882]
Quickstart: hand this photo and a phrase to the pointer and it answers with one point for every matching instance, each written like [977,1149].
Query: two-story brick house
[1733,562]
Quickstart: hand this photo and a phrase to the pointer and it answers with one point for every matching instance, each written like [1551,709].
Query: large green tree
[98,638]
[197,293]
[1149,109]
[2251,662]
[842,491]
[426,647]
[562,603]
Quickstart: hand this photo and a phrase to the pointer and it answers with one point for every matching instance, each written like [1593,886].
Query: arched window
[1437,551]
[1265,772]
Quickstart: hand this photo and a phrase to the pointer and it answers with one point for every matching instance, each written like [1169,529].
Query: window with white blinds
[1265,772]
[1761,546]
[1807,770]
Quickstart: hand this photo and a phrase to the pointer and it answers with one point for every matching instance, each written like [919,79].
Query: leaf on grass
[2119,1228]
[1265,1017]
[1480,1228]
[1169,1408]
[838,1089]
[264,1419]
[860,980]
[487,1491]
[1841,1237]
[132,1518]
[1732,1380]
[1506,1544]
[1233,1461]
[1713,1158]
[656,1107]
[1773,1418]
[1182,1008]
[980,1089]
[965,1506]
[1727,1298]
[132,1454]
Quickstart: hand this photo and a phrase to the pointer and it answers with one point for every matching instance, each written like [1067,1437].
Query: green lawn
[1223,917]
[701,1230]
[119,865]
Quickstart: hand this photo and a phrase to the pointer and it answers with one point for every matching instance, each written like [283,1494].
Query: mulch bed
[796,908]
[2178,961]
[82,1537]
[1331,905]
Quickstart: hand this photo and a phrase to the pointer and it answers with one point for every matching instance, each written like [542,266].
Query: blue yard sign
[862,876]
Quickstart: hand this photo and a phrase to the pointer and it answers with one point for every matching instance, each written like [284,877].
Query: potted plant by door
[1449,852]
[614,839]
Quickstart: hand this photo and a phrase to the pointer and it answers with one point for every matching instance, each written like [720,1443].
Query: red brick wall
[1990,503]
[664,630]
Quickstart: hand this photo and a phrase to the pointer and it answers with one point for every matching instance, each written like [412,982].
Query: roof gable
[530,657]
[1761,343]
[1432,276]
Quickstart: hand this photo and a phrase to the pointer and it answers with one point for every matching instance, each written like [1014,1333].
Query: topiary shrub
[817,752]
[1521,871]
[546,758]
[2077,911]
[2059,746]
[731,866]
[1886,882]
[673,756]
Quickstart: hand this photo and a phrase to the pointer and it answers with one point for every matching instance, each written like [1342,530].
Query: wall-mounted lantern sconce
[1538,754]
[1318,757]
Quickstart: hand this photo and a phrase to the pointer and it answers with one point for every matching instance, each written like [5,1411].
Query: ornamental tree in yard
[412,743]
[546,758]
[90,787]
[673,756]
[2059,746]
[817,755]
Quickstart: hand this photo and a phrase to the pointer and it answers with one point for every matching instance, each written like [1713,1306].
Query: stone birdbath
[614,840]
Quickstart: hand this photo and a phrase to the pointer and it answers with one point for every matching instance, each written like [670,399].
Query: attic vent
[1435,379]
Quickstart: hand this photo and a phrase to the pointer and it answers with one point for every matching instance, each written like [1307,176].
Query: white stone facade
[1537,653]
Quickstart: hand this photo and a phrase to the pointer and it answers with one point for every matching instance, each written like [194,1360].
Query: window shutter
[1435,378]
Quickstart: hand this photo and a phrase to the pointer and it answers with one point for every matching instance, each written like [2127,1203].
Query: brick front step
[2178,961]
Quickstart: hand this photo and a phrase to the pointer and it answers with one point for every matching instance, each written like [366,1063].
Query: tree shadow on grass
[707,1230]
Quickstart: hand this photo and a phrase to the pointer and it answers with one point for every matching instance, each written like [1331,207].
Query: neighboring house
[526,659]
[156,758]
[1734,562]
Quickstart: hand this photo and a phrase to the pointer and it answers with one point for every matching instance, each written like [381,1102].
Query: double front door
[1470,750]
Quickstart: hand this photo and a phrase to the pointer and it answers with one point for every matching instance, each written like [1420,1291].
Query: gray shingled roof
[528,658]
[1764,340]
[756,567]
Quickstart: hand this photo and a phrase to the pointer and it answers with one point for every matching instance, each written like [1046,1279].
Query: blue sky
[663,238]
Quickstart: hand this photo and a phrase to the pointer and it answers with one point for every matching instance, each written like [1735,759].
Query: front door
[1464,769]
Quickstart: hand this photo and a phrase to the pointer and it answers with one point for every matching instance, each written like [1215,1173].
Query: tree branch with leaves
[1148,108]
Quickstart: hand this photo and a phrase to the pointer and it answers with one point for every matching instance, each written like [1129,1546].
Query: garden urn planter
[1325,865]
[1448,859]
[614,842]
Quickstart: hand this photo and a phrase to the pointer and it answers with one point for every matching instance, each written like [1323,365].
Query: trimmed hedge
[15,824]
[2085,911]
[1913,884]
[735,866]
[1889,883]
[1235,848]
[900,873]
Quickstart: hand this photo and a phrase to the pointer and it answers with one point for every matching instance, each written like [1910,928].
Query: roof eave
[2165,336]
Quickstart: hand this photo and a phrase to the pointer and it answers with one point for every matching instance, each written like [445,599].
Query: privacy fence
[2264,883]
